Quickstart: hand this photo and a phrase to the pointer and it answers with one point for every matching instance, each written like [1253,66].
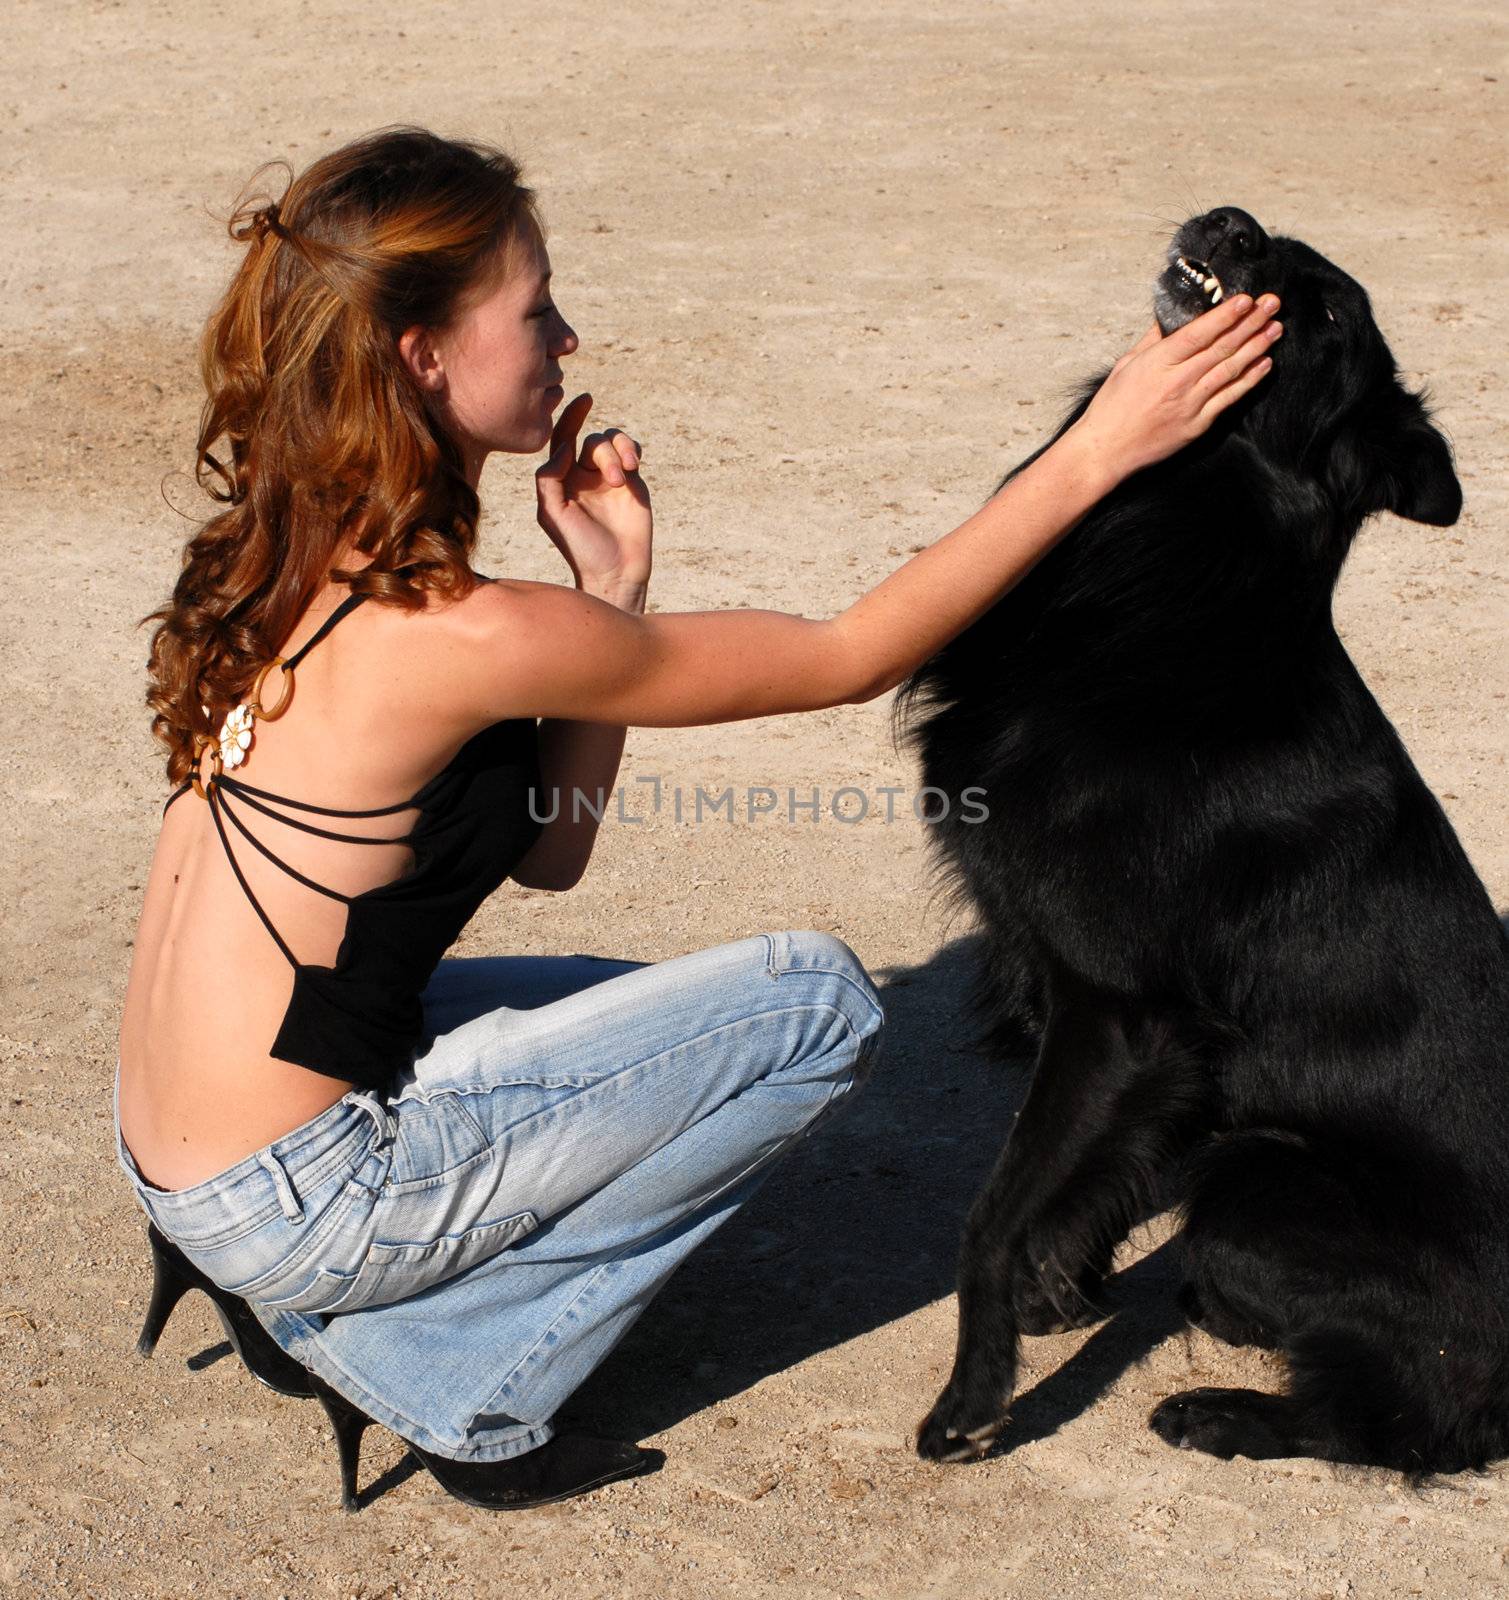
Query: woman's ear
[416,349]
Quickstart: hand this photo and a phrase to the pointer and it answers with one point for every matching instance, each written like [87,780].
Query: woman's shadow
[858,1227]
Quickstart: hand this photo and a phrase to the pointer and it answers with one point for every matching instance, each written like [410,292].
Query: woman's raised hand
[595,506]
[1168,389]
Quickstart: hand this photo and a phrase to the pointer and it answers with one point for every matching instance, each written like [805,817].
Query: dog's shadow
[857,1228]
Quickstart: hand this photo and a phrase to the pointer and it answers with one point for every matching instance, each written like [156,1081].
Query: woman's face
[501,362]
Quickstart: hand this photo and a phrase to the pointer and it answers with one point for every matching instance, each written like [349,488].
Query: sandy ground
[837,265]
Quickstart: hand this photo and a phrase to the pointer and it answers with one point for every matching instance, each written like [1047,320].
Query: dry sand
[836,265]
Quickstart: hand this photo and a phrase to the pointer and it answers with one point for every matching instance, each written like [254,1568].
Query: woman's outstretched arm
[545,650]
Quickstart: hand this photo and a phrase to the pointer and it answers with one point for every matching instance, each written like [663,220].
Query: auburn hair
[314,436]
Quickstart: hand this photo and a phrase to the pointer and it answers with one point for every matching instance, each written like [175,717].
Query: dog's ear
[1399,462]
[1425,487]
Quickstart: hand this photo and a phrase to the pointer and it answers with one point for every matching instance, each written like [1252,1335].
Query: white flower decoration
[236,736]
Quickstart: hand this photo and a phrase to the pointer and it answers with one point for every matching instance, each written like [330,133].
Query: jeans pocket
[394,1269]
[282,1257]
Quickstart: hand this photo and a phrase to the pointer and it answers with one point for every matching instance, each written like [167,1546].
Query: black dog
[1268,986]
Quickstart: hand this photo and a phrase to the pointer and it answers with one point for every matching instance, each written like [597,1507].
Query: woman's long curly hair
[327,440]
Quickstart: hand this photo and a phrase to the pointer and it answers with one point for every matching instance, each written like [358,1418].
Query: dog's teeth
[1216,298]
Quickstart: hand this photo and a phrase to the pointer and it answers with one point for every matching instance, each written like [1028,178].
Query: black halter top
[362,1019]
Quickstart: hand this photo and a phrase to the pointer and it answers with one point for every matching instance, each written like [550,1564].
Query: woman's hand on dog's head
[1168,389]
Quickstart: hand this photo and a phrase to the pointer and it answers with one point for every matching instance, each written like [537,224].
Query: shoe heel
[169,1286]
[173,1275]
[348,1424]
[266,1361]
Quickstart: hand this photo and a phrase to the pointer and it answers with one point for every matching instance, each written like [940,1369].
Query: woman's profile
[435,1193]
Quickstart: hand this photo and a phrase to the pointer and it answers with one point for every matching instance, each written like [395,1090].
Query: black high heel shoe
[173,1275]
[567,1465]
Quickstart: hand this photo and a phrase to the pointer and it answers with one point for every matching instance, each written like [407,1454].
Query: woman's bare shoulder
[487,652]
[494,606]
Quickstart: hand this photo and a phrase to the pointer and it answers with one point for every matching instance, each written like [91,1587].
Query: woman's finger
[1201,332]
[599,456]
[627,448]
[1233,392]
[1230,368]
[1230,340]
[569,424]
[609,450]
[550,476]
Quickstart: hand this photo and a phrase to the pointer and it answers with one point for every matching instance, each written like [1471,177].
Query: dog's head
[1333,407]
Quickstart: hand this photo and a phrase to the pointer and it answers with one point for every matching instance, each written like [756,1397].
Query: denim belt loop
[378,1112]
[292,1206]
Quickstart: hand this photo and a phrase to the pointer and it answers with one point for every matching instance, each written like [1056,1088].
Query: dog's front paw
[956,1430]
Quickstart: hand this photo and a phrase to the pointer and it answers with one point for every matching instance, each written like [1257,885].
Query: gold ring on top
[254,700]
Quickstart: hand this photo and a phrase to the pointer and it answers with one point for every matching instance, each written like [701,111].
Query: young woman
[436,1193]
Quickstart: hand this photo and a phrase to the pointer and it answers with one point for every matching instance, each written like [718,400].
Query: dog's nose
[1238,230]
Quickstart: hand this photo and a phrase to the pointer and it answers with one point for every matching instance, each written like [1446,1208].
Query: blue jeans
[456,1257]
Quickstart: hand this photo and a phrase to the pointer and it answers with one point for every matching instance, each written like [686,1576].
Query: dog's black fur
[1269,988]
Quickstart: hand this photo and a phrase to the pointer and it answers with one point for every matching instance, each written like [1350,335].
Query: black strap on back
[344,609]
[223,784]
[237,786]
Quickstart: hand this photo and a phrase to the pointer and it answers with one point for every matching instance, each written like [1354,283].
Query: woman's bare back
[368,725]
